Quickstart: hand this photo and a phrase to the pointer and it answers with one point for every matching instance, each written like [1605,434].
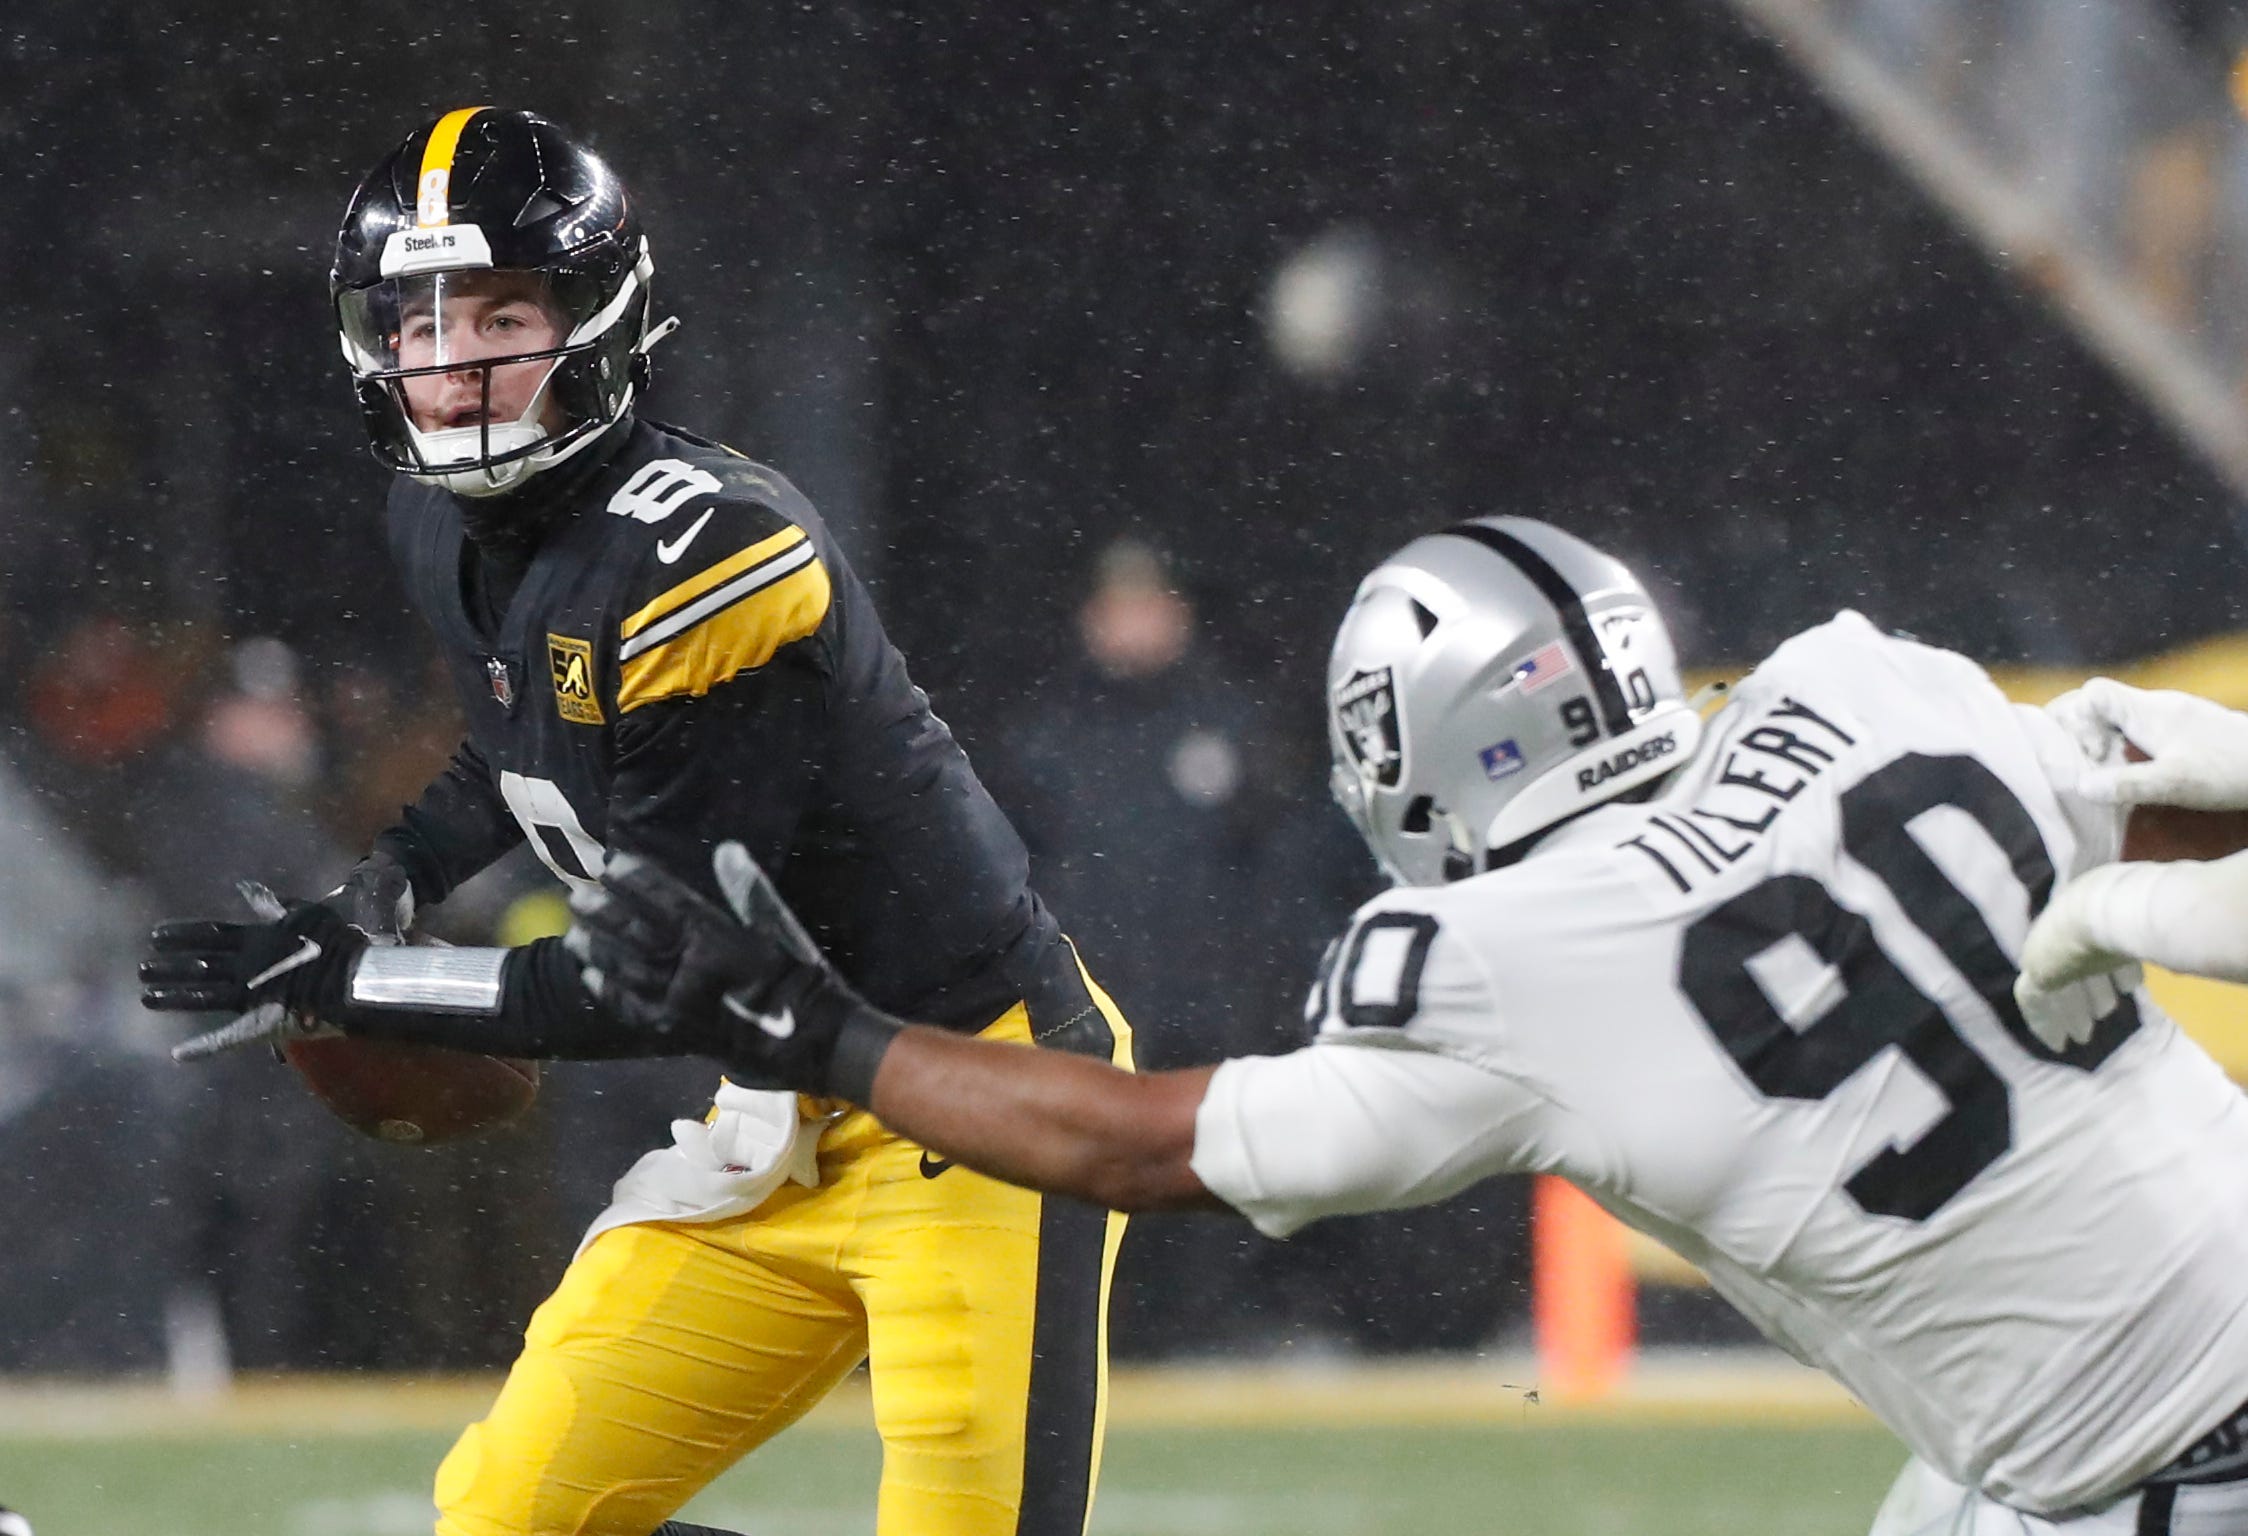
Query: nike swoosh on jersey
[308,950]
[932,1166]
[669,550]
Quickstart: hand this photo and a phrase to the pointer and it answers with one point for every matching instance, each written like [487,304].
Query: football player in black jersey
[659,647]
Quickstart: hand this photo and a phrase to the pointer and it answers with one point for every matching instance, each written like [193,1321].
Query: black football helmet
[491,246]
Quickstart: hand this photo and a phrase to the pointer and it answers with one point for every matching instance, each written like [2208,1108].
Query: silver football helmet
[1489,682]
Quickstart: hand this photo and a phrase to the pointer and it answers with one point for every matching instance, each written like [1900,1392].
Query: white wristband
[429,978]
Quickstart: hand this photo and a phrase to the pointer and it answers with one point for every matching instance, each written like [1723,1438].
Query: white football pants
[1921,1503]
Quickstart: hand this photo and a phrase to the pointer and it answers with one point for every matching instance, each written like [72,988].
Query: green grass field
[1681,1469]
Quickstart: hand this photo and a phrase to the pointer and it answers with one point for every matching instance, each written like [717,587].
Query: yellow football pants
[671,1350]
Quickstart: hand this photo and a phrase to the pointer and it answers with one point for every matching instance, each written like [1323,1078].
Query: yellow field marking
[1497,1391]
[1751,1387]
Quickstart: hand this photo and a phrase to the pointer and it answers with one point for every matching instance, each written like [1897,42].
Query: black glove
[377,898]
[748,987]
[295,961]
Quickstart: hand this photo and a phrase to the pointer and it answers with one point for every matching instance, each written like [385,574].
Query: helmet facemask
[476,379]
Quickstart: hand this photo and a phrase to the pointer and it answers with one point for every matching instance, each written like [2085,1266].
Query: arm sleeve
[1342,1128]
[542,1012]
[458,826]
[2187,916]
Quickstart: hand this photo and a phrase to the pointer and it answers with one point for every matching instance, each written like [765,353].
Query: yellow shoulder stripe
[738,637]
[702,581]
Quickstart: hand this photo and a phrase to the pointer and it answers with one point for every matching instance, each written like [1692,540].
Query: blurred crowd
[2120,121]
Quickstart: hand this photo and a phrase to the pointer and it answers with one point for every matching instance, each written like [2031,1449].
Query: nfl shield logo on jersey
[503,686]
[1366,706]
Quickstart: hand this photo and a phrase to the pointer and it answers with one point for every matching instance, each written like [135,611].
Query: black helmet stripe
[1615,713]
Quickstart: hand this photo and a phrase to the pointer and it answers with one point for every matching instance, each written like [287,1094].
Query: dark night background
[992,285]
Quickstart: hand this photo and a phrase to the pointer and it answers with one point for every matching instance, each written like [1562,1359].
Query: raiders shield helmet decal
[1366,708]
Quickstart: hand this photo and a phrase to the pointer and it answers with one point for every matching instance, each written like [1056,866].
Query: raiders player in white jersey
[1748,983]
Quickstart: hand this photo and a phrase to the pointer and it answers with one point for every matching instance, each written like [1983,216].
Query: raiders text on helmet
[491,294]
[1490,681]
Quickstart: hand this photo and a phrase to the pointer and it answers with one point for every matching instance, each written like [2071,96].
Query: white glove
[2068,981]
[2188,916]
[2198,748]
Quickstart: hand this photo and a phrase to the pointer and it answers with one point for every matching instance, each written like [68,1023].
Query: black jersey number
[1374,979]
[1880,1008]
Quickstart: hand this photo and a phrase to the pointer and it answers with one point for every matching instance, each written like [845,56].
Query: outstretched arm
[750,988]
[664,971]
[302,967]
[1283,1140]
[1047,1119]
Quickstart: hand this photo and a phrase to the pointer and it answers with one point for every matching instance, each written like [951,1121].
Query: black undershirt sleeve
[545,1013]
[458,826]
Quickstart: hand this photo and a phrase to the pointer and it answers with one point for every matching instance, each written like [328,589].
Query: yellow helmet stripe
[433,190]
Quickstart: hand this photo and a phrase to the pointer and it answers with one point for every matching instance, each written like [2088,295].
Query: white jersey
[1767,1017]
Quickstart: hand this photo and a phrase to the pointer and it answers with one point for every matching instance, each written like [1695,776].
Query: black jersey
[688,658]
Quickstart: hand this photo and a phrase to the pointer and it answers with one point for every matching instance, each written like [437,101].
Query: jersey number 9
[1880,1007]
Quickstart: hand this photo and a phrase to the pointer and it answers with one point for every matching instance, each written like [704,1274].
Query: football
[2163,832]
[413,1095]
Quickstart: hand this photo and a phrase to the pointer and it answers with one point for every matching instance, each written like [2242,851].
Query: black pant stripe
[1065,1337]
[2155,1503]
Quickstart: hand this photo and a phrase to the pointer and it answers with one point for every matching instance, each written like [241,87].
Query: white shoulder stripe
[796,557]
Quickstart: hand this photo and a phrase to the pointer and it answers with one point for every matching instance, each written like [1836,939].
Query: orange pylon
[1584,1301]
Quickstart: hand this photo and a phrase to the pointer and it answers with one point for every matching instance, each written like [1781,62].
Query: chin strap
[656,333]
